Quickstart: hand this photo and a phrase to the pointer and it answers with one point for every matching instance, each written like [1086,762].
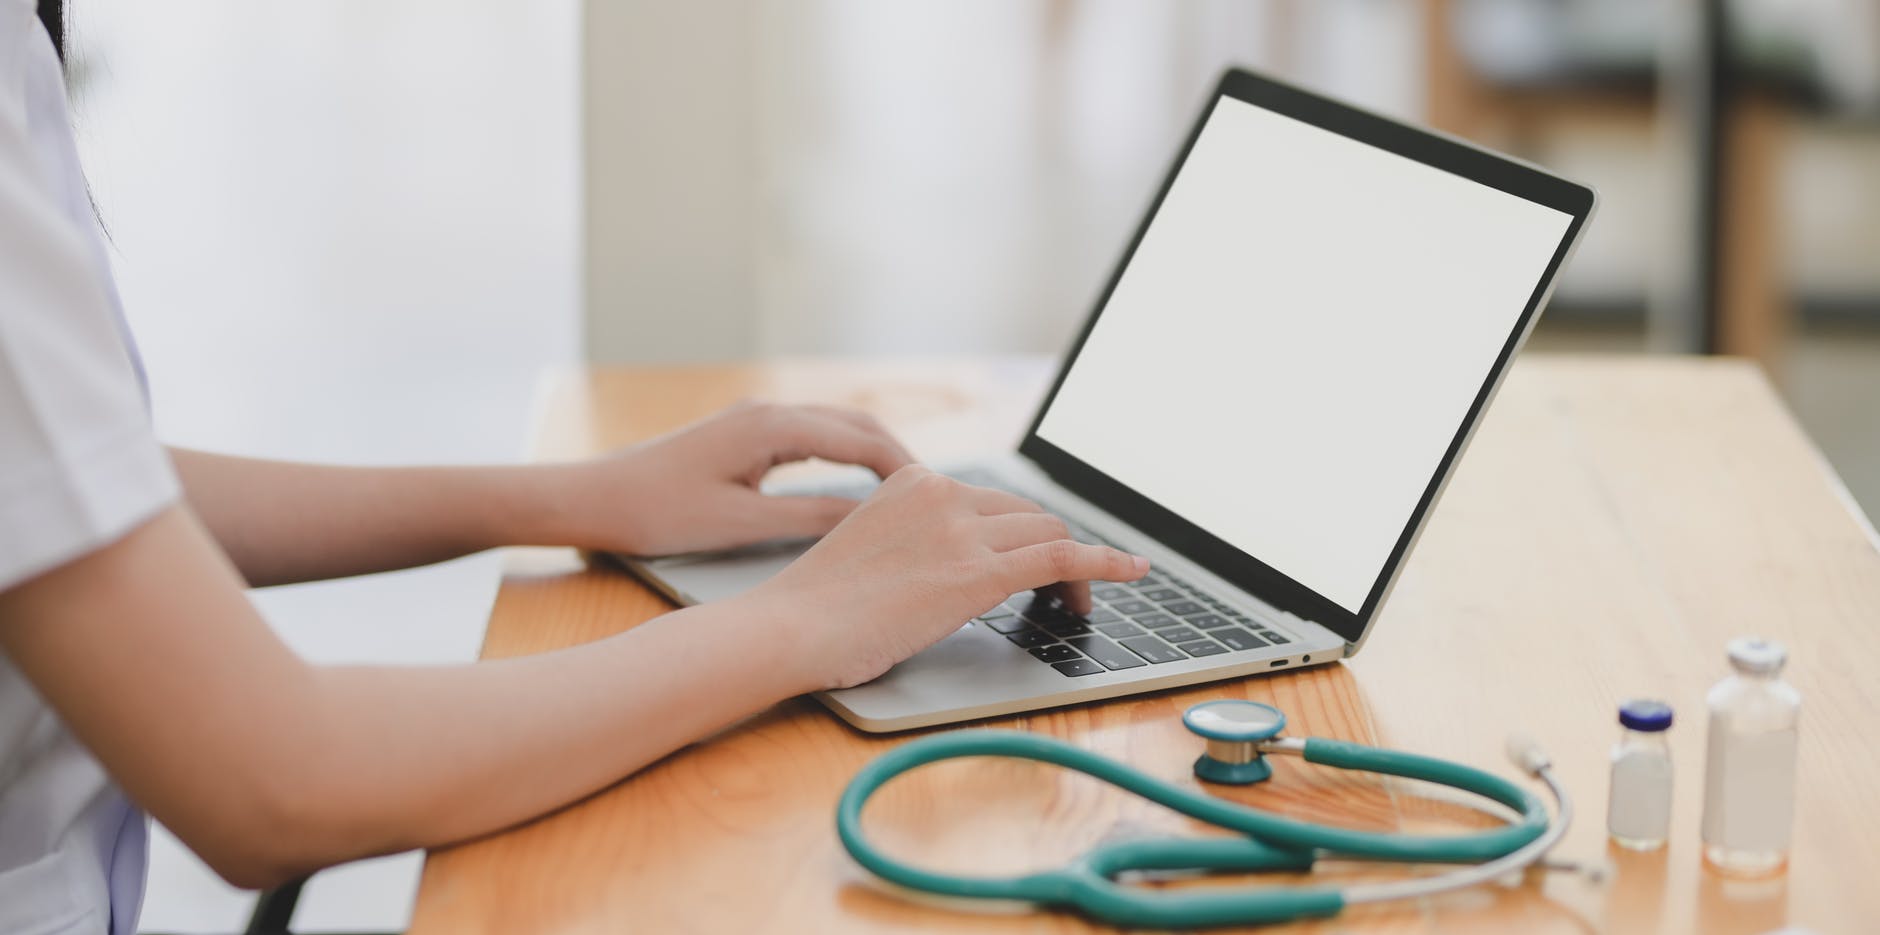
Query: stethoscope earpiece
[1234,729]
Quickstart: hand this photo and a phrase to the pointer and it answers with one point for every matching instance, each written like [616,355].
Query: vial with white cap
[1749,770]
[1638,811]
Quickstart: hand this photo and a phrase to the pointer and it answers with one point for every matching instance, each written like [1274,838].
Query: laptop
[1266,402]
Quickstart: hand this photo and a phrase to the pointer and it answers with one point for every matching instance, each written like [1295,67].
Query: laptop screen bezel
[1237,567]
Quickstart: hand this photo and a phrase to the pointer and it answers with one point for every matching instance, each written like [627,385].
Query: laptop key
[1119,630]
[1104,615]
[1030,637]
[1112,592]
[1209,621]
[1156,621]
[1028,604]
[1064,628]
[1004,624]
[1184,608]
[1132,608]
[1274,638]
[1056,652]
[1077,667]
[1044,614]
[1111,655]
[1180,634]
[1203,647]
[1163,595]
[1152,649]
[1236,638]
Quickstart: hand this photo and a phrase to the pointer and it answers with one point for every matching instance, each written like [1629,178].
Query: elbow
[250,871]
[294,803]
[254,855]
[267,836]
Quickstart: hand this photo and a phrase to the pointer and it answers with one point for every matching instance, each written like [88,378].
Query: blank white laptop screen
[1297,339]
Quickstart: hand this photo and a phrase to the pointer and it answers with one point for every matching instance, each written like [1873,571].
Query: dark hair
[52,16]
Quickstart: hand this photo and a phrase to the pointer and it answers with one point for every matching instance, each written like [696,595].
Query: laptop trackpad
[711,576]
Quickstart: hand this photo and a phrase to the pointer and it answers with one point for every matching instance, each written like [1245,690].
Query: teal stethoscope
[1240,734]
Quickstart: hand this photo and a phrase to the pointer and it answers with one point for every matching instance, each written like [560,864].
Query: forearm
[269,767]
[419,757]
[694,489]
[282,522]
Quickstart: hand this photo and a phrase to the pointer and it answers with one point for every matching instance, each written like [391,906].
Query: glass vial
[1638,809]
[1749,768]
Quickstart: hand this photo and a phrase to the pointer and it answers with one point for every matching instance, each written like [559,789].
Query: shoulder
[46,253]
[19,30]
[78,461]
[23,48]
[15,14]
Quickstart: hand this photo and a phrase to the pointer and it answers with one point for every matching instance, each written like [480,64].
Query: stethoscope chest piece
[1234,729]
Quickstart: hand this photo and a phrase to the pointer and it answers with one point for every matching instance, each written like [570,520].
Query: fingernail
[1141,565]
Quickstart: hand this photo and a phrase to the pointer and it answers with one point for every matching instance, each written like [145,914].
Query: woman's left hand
[697,488]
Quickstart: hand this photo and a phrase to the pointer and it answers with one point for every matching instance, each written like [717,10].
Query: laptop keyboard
[1160,619]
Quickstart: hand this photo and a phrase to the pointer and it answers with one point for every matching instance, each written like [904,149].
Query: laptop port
[1276,663]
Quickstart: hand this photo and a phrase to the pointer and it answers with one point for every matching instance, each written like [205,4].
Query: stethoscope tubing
[1271,842]
[1519,859]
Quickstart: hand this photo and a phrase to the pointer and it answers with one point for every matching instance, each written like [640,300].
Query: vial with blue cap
[1638,812]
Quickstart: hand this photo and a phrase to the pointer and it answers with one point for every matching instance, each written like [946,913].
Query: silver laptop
[1267,400]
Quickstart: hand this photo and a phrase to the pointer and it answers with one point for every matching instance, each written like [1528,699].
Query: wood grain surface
[1614,523]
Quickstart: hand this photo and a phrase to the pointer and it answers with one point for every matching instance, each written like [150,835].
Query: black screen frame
[1240,569]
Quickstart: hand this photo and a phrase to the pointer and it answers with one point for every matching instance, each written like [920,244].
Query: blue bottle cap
[1645,715]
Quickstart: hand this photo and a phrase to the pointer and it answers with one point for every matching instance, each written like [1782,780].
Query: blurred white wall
[815,176]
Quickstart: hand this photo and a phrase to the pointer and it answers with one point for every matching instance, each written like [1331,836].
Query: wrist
[464,509]
[551,504]
[550,497]
[777,624]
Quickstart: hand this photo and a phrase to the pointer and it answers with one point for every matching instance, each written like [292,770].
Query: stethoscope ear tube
[1271,843]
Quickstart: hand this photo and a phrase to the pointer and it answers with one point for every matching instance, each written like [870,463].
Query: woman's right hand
[916,560]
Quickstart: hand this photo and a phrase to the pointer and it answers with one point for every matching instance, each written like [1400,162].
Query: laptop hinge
[1301,624]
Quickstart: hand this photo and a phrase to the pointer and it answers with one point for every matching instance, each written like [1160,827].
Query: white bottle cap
[1752,655]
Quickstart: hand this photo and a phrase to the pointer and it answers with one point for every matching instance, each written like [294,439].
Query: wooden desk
[1614,523]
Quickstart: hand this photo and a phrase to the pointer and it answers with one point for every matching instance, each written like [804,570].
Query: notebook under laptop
[1266,402]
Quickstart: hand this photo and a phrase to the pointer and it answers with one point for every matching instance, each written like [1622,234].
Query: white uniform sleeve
[79,465]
